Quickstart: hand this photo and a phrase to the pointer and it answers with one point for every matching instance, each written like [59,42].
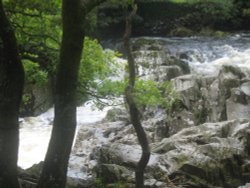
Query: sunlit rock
[238,105]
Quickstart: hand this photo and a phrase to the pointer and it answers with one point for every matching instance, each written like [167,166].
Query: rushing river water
[205,55]
[35,132]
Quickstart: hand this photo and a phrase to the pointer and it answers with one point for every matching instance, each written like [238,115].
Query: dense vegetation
[165,17]
[38,29]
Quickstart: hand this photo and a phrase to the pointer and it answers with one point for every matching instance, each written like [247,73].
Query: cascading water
[206,55]
[35,132]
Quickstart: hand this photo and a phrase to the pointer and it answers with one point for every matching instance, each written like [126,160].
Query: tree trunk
[54,172]
[55,166]
[11,87]
[133,110]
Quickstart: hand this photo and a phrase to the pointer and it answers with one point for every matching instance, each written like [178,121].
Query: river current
[35,132]
[205,55]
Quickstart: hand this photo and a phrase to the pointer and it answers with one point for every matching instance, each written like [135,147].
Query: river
[35,132]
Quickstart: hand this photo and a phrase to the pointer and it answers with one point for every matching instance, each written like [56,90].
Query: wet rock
[178,121]
[29,178]
[146,44]
[155,62]
[245,88]
[161,130]
[110,173]
[229,77]
[210,153]
[237,105]
[36,99]
[181,32]
[166,73]
[188,88]
[75,182]
[117,114]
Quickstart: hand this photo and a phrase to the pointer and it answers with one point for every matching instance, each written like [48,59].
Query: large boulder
[155,62]
[37,99]
[216,98]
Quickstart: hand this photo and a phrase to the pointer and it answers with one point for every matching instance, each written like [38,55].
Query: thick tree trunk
[133,110]
[54,172]
[55,166]
[11,87]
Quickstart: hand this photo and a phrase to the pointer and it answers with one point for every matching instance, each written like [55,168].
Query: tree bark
[11,87]
[133,110]
[54,173]
[55,166]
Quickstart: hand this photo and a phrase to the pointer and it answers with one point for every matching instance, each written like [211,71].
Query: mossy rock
[117,114]
[112,173]
[234,70]
[181,32]
[208,32]
[150,44]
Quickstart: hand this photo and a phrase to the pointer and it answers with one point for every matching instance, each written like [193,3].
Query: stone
[188,88]
[245,88]
[237,105]
[181,32]
[204,143]
[166,73]
[206,153]
[178,121]
[173,60]
[36,99]
[117,114]
[111,173]
[29,178]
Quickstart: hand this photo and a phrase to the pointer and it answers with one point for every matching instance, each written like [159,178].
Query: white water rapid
[35,132]
[206,55]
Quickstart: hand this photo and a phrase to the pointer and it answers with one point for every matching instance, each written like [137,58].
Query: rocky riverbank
[203,143]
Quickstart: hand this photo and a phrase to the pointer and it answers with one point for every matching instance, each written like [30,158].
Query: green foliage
[246,12]
[25,99]
[221,10]
[146,92]
[116,11]
[121,3]
[200,115]
[33,73]
[99,183]
[37,25]
[96,66]
[171,100]
[112,88]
